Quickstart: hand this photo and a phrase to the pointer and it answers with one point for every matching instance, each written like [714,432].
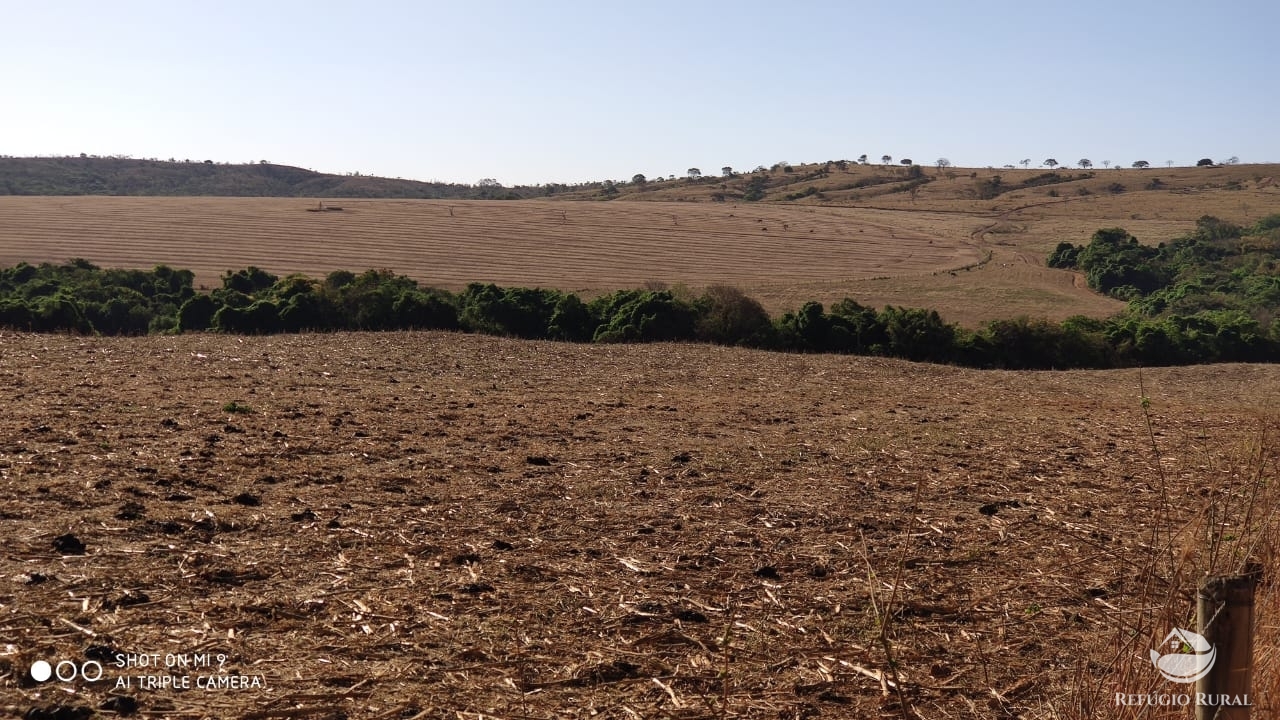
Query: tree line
[1209,297]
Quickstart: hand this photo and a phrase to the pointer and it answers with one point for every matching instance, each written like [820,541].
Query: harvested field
[446,526]
[876,246]
[566,245]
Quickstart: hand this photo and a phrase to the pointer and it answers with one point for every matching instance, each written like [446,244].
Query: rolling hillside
[965,244]
[122,176]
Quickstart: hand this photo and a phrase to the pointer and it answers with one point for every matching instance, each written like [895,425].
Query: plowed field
[448,526]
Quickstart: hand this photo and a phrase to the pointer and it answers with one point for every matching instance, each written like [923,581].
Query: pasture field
[430,525]
[563,245]
[943,247]
[783,255]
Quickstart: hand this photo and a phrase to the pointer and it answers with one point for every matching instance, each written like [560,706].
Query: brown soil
[447,526]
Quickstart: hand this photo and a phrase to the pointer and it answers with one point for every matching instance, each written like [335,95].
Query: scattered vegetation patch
[989,188]
[1211,296]
[755,189]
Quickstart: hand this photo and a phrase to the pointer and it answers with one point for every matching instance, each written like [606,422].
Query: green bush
[988,189]
[1065,255]
[248,281]
[854,328]
[262,317]
[755,189]
[572,320]
[513,312]
[917,334]
[804,331]
[1266,224]
[1114,259]
[310,311]
[726,316]
[647,317]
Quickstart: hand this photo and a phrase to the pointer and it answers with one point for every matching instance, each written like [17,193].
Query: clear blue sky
[549,91]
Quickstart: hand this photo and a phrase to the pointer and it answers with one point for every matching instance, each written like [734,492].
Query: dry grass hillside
[860,234]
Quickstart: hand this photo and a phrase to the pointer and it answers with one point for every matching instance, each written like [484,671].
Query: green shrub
[990,188]
[1025,344]
[572,320]
[248,281]
[514,312]
[854,328]
[262,317]
[1266,224]
[917,334]
[726,316]
[1065,255]
[1211,228]
[755,189]
[647,317]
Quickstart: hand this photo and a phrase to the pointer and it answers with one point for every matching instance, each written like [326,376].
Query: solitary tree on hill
[727,171]
[1051,163]
[905,161]
[862,159]
[1141,164]
[1085,163]
[1106,163]
[886,159]
[694,173]
[1204,162]
[942,164]
[639,179]
[1025,162]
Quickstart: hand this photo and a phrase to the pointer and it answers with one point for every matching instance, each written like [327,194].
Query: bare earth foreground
[449,526]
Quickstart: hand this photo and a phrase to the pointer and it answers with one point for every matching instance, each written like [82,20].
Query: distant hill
[934,187]
[122,176]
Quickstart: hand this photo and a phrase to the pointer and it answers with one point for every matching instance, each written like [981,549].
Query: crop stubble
[431,524]
[570,245]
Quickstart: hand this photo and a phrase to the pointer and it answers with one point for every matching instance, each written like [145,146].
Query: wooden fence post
[1224,613]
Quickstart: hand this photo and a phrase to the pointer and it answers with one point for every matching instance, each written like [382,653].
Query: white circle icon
[41,671]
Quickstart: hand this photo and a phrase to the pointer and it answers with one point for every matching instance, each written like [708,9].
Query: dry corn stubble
[435,523]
